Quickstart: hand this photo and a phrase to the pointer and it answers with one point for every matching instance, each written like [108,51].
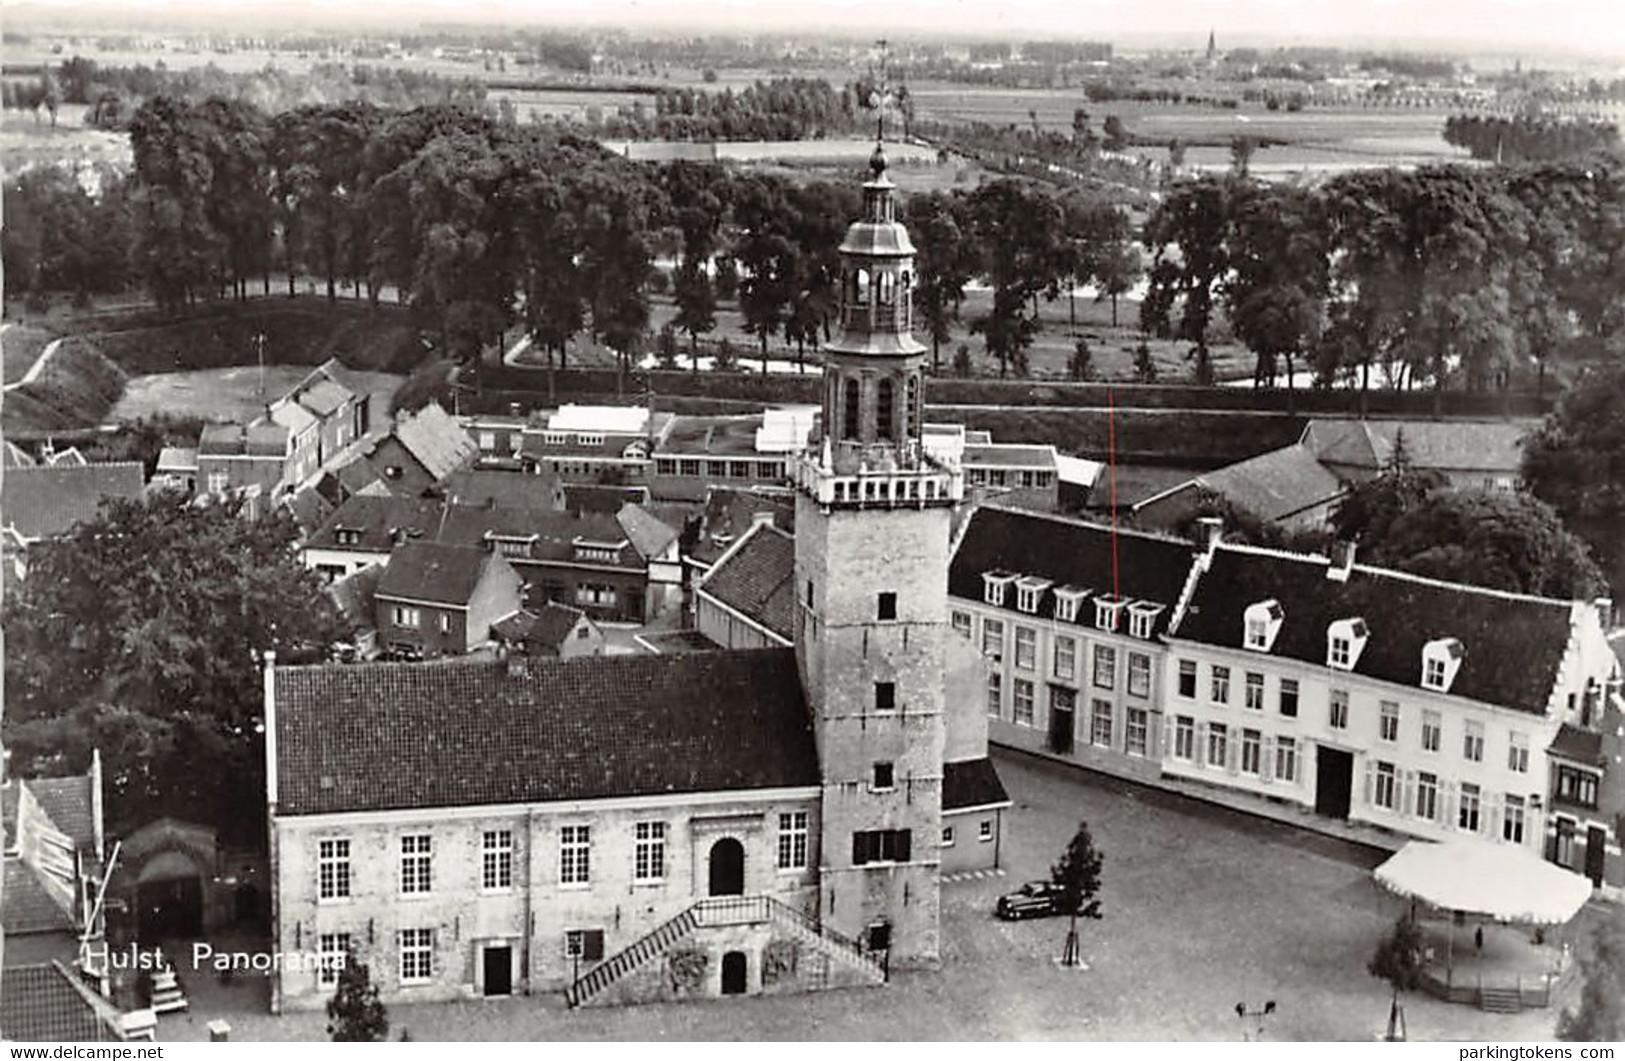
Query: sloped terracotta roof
[972,783]
[1512,644]
[1444,445]
[648,535]
[28,906]
[430,571]
[1068,552]
[43,1004]
[550,624]
[757,579]
[468,733]
[47,500]
[435,438]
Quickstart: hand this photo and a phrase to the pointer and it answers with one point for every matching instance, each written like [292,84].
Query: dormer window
[1029,591]
[346,536]
[1107,609]
[604,552]
[1067,599]
[589,440]
[1142,618]
[1345,640]
[1263,623]
[555,438]
[994,585]
[1441,658]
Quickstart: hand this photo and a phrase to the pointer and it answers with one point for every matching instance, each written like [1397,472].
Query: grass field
[235,393]
[20,345]
[25,142]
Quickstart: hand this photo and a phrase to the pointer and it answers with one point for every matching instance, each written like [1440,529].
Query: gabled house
[550,630]
[437,600]
[1287,486]
[1485,454]
[340,405]
[48,1003]
[46,501]
[177,468]
[748,598]
[593,443]
[257,456]
[54,847]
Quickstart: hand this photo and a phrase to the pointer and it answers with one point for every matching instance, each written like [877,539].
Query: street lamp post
[1243,1013]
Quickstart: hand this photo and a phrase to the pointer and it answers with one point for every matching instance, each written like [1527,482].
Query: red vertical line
[1111,464]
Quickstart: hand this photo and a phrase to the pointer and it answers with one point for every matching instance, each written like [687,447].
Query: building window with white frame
[792,845]
[1517,753]
[1105,667]
[1254,700]
[1029,591]
[1066,605]
[1337,709]
[1141,619]
[1021,702]
[1339,652]
[417,864]
[1100,723]
[406,617]
[962,624]
[575,854]
[1512,820]
[1218,739]
[1427,796]
[1136,730]
[984,830]
[1219,686]
[1386,788]
[1388,722]
[1066,655]
[993,639]
[1472,742]
[1286,759]
[1139,674]
[1184,737]
[1106,612]
[333,869]
[1432,731]
[1433,676]
[947,836]
[993,589]
[417,955]
[496,860]
[995,694]
[1252,743]
[332,951]
[1289,697]
[649,852]
[1468,807]
[1026,647]
[1187,679]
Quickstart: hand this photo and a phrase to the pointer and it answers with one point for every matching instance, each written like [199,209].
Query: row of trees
[781,109]
[1528,138]
[1441,274]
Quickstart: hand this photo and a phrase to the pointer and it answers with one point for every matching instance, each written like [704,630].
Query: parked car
[1038,898]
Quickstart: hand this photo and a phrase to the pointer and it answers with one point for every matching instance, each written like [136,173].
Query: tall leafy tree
[1078,875]
[1015,225]
[354,1013]
[944,263]
[1398,960]
[1188,236]
[1600,1016]
[1277,291]
[1576,463]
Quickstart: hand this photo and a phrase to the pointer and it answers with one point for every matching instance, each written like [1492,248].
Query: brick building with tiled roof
[748,599]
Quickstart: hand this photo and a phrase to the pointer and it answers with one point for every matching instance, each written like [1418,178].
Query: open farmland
[25,143]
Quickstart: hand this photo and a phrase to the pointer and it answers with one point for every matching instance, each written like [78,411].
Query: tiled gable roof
[1453,445]
[648,535]
[1277,484]
[730,512]
[353,595]
[1578,745]
[435,438]
[42,1004]
[28,906]
[430,571]
[375,518]
[47,500]
[1513,644]
[69,803]
[971,783]
[757,579]
[179,459]
[550,624]
[323,397]
[471,733]
[501,489]
[1067,552]
[593,497]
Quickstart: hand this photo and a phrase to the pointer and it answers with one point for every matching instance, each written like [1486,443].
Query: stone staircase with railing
[827,945]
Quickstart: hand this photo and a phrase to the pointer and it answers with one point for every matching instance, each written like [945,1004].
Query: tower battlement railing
[889,475]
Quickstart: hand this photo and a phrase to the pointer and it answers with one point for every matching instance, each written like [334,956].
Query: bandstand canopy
[1500,881]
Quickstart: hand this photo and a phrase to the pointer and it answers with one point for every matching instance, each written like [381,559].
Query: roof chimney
[1342,562]
[1212,530]
[759,518]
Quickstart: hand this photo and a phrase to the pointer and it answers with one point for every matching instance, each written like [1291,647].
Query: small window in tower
[888,606]
[860,287]
[809,593]
[884,779]
[886,286]
[883,410]
[849,417]
[911,407]
[885,696]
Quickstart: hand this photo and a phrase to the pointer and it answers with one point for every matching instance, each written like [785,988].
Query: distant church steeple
[1212,47]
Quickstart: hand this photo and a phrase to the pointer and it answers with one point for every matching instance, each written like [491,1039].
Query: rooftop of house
[1445,445]
[729,512]
[648,535]
[44,501]
[600,419]
[1272,486]
[46,1004]
[353,595]
[28,907]
[262,438]
[436,440]
[177,460]
[504,489]
[293,416]
[1578,745]
[972,783]
[394,736]
[1512,644]
[594,497]
[757,578]
[323,396]
[1068,553]
[14,456]
[549,624]
[1007,455]
[435,573]
[711,436]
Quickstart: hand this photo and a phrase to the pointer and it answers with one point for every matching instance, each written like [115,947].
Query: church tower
[872,530]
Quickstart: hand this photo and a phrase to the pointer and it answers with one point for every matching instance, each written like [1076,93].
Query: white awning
[1501,881]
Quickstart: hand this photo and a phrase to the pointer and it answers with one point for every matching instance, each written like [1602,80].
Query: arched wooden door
[727,867]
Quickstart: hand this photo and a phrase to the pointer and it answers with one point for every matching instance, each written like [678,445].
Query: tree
[1277,290]
[1078,876]
[1016,226]
[1145,369]
[1079,366]
[944,264]
[1242,149]
[696,304]
[1188,236]
[1601,1015]
[141,629]
[1398,960]
[1576,464]
[354,1014]
[1116,133]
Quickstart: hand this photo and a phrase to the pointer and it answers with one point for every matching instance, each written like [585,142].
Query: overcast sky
[1596,26]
